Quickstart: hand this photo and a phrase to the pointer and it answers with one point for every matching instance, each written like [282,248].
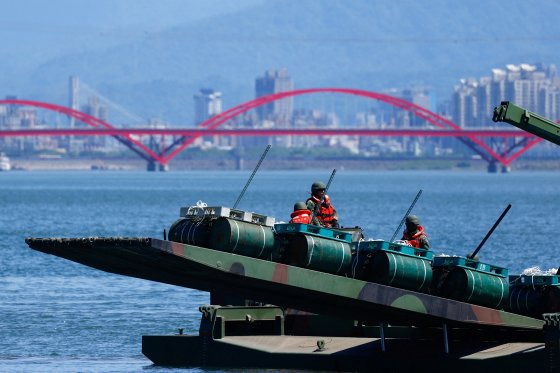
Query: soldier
[325,215]
[414,233]
[301,214]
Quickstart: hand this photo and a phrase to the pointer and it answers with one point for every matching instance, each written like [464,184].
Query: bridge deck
[209,270]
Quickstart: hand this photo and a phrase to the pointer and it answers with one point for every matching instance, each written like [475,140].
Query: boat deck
[343,354]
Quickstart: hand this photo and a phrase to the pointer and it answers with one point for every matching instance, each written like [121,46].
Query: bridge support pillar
[493,168]
[239,163]
[239,153]
[154,166]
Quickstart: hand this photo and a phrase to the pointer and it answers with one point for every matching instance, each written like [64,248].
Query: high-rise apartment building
[534,87]
[95,108]
[207,103]
[73,97]
[465,102]
[275,81]
[421,97]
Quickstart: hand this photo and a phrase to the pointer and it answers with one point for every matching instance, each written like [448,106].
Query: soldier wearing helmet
[414,233]
[325,214]
[301,214]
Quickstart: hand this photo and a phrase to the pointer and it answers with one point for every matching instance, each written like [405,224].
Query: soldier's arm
[336,223]
[335,213]
[316,221]
[311,207]
[424,243]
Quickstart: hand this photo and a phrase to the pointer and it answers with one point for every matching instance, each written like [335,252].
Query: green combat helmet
[300,206]
[316,186]
[412,220]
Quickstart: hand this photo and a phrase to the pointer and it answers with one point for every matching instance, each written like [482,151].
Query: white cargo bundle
[201,212]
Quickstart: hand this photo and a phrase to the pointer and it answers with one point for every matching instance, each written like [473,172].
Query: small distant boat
[5,164]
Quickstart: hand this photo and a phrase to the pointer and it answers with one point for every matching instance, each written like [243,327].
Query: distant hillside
[360,43]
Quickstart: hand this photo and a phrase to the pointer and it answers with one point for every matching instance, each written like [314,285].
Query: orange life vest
[414,239]
[301,216]
[325,214]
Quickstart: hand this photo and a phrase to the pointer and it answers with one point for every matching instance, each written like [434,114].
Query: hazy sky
[46,29]
[152,56]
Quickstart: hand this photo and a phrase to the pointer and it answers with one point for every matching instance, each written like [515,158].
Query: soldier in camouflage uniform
[414,233]
[326,215]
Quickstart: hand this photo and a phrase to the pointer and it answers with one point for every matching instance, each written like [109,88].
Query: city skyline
[179,63]
[281,114]
[535,86]
[159,54]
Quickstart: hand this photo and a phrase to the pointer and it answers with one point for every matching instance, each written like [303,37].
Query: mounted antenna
[405,215]
[316,209]
[251,178]
[489,233]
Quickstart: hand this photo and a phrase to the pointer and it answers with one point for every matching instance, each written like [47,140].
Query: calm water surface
[56,315]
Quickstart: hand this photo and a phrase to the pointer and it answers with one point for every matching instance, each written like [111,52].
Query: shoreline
[86,164]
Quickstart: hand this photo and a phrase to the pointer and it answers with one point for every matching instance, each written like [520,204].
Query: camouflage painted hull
[216,271]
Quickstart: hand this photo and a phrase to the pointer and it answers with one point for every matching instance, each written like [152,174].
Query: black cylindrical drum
[525,300]
[321,254]
[475,287]
[240,237]
[191,232]
[403,271]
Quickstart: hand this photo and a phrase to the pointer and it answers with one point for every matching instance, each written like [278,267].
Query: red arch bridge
[501,146]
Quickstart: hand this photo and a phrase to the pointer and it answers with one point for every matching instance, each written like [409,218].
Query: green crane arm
[527,121]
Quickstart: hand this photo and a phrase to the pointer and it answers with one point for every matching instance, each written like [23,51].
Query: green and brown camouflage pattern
[284,285]
[527,121]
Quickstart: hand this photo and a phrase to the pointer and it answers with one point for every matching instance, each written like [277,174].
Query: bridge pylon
[153,166]
[156,145]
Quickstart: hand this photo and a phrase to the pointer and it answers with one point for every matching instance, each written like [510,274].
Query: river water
[56,315]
